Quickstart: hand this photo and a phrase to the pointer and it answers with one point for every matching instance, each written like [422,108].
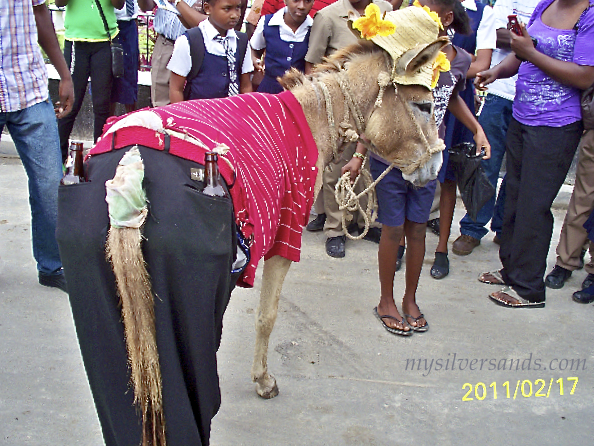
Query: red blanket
[272,152]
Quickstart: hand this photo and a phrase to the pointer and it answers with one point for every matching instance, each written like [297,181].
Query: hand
[353,167]
[258,64]
[484,78]
[482,143]
[66,91]
[522,45]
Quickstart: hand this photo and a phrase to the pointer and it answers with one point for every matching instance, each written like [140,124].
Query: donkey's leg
[275,270]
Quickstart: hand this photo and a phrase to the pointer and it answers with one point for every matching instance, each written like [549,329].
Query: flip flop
[396,331]
[422,329]
[492,278]
[509,291]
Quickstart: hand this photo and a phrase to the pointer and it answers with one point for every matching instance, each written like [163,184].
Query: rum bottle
[212,179]
[74,165]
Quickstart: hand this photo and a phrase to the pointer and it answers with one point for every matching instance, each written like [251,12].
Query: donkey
[173,290]
[402,130]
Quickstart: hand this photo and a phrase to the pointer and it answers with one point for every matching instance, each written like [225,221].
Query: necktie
[233,84]
[130,8]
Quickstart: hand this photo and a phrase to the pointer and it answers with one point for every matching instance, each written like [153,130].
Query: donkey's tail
[127,208]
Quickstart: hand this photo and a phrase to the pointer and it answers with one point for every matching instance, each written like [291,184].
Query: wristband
[358,155]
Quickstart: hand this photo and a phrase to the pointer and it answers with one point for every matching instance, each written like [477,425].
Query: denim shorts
[398,200]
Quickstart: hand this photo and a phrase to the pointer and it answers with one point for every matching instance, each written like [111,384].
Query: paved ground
[343,379]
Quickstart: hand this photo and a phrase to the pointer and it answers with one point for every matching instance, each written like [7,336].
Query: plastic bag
[473,183]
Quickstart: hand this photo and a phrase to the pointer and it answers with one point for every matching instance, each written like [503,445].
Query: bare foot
[395,321]
[414,316]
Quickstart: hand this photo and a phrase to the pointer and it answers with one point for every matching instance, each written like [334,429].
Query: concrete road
[487,375]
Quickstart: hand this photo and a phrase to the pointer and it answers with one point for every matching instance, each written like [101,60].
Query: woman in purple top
[554,59]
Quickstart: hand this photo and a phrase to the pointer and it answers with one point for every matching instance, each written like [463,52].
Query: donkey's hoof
[267,388]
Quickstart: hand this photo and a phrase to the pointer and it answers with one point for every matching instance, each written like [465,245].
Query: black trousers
[87,59]
[538,159]
[189,246]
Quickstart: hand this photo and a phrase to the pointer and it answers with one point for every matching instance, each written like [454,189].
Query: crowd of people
[531,111]
[534,74]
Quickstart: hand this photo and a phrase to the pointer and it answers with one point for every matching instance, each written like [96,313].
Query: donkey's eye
[423,106]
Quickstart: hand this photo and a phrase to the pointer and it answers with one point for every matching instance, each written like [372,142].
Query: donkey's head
[385,86]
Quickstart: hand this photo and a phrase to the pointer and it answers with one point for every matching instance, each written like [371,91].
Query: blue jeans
[35,134]
[494,119]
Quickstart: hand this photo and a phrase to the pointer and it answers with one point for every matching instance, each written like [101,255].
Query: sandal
[498,298]
[492,278]
[396,331]
[422,329]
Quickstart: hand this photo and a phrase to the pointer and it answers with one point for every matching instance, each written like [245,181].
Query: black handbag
[117,51]
[473,183]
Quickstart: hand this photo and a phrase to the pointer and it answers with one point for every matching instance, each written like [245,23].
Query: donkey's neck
[315,109]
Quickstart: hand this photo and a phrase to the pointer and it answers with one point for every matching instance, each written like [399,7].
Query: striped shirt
[272,152]
[167,23]
[23,76]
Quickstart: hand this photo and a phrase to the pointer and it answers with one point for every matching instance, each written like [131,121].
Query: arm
[146,5]
[49,42]
[460,110]
[480,63]
[568,73]
[118,4]
[176,87]
[355,163]
[245,83]
[308,67]
[257,59]
[190,16]
[258,45]
[507,68]
[61,3]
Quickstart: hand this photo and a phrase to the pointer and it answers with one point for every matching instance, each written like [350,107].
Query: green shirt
[83,22]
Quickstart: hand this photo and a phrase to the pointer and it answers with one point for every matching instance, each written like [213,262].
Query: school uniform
[284,48]
[212,81]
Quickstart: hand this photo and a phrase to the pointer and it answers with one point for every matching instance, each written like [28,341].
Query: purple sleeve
[584,42]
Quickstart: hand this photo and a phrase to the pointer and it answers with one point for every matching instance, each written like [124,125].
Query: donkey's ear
[350,21]
[415,58]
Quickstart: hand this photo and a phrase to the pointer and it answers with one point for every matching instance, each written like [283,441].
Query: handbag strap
[104,19]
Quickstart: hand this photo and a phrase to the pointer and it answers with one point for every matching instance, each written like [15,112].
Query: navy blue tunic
[280,57]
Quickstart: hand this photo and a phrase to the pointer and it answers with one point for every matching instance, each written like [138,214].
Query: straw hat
[413,28]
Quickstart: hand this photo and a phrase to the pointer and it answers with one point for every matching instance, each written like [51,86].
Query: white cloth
[122,14]
[506,88]
[257,41]
[486,37]
[181,60]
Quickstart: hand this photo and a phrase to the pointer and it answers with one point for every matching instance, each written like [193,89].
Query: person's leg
[497,220]
[494,119]
[573,235]
[102,81]
[415,253]
[159,73]
[125,88]
[392,193]
[528,247]
[514,150]
[387,257]
[78,58]
[447,205]
[35,135]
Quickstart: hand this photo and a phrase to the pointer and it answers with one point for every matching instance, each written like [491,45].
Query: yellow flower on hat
[441,64]
[371,24]
[432,14]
